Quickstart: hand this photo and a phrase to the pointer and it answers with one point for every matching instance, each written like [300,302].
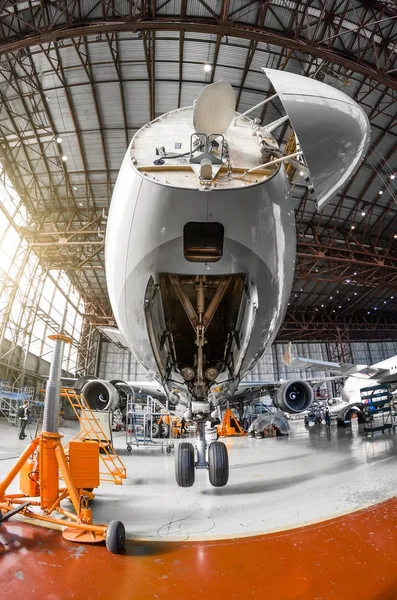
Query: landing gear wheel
[184,465]
[129,448]
[164,430]
[115,537]
[155,428]
[218,462]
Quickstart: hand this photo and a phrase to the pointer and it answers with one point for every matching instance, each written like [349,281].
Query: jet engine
[100,394]
[294,396]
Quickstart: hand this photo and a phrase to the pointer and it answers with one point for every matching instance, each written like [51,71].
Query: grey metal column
[53,388]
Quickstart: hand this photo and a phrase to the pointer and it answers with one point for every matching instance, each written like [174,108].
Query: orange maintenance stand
[229,425]
[44,461]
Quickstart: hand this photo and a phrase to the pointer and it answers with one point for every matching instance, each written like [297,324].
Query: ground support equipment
[229,425]
[378,411]
[113,469]
[12,398]
[39,466]
[144,425]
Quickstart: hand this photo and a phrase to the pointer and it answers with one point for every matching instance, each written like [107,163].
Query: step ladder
[12,398]
[90,428]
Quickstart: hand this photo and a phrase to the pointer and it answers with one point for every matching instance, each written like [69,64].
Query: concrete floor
[274,484]
[351,557]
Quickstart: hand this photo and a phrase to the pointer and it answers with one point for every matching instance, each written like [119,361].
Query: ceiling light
[355,273]
[301,173]
[75,187]
[380,192]
[395,235]
[384,301]
[59,140]
[353,227]
[347,280]
[392,176]
[368,313]
[330,297]
[355,293]
[207,68]
[363,214]
[375,308]
[81,204]
[339,307]
[64,158]
[392,297]
[322,306]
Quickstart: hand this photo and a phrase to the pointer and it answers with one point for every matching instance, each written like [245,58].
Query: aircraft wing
[267,385]
[148,387]
[114,335]
[291,359]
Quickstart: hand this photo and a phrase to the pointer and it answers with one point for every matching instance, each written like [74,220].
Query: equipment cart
[148,423]
[378,411]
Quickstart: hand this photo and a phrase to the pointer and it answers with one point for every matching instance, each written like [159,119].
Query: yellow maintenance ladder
[113,469]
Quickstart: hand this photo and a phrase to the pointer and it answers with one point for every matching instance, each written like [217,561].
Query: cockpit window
[203,242]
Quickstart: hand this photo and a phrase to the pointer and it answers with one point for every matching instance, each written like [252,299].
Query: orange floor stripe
[352,557]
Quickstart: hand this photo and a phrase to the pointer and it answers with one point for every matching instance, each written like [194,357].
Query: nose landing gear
[217,464]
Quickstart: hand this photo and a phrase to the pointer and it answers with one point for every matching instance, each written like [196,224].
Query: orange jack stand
[230,425]
[51,460]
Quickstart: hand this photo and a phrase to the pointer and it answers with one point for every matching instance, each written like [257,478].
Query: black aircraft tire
[115,537]
[218,461]
[164,430]
[184,465]
[155,430]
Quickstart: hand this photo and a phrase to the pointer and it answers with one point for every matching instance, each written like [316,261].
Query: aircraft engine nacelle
[100,394]
[294,396]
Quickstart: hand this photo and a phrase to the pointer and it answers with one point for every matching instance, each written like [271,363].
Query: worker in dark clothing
[23,417]
[327,418]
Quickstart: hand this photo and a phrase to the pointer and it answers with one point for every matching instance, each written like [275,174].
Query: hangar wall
[33,297]
[35,367]
[118,363]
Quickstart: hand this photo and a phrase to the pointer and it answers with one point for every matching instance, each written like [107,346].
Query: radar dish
[214,109]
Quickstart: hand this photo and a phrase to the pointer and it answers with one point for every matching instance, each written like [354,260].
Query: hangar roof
[77,80]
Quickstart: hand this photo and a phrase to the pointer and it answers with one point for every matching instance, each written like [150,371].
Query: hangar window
[203,242]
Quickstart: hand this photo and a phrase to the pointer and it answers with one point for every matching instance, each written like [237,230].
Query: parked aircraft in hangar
[200,242]
[356,377]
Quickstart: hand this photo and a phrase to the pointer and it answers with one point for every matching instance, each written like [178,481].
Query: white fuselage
[145,239]
[384,371]
[201,324]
